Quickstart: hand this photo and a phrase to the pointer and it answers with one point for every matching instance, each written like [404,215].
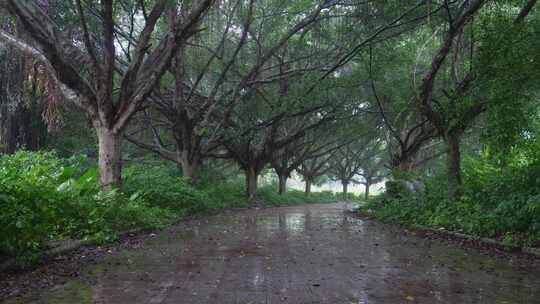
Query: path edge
[532,251]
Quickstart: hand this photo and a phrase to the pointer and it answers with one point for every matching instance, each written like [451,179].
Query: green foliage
[508,65]
[225,193]
[231,193]
[43,198]
[503,204]
[29,199]
[395,189]
[163,188]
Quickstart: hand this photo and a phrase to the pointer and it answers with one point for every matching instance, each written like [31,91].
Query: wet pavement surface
[300,254]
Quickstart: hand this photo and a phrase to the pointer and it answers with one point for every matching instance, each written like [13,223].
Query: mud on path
[300,254]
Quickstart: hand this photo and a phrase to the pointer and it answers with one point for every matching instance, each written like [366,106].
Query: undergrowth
[45,198]
[501,204]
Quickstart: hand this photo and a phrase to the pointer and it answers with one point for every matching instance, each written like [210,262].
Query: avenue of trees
[357,92]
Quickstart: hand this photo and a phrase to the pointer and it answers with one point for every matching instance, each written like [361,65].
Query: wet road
[301,254]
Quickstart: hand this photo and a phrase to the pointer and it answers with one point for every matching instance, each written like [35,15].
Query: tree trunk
[189,166]
[453,166]
[282,186]
[252,176]
[188,170]
[404,162]
[110,158]
[8,131]
[21,124]
[366,192]
[308,186]
[345,185]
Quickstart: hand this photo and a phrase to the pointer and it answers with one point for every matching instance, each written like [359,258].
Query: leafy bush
[162,188]
[496,203]
[225,193]
[43,198]
[395,189]
[29,200]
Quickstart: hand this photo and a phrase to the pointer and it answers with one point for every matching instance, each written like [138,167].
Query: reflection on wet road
[302,254]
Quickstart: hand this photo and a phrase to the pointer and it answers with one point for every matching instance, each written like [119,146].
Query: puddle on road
[303,254]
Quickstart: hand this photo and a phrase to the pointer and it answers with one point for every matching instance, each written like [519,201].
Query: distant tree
[314,168]
[210,87]
[372,171]
[315,144]
[347,162]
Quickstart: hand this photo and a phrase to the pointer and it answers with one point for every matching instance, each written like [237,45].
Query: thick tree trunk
[404,162]
[189,166]
[453,166]
[366,192]
[308,186]
[188,170]
[33,132]
[8,131]
[282,186]
[110,158]
[252,176]
[345,185]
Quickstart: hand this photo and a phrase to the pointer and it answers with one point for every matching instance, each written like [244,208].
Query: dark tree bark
[282,183]
[366,192]
[252,176]
[190,166]
[345,185]
[308,183]
[404,160]
[454,166]
[405,163]
[21,128]
[21,103]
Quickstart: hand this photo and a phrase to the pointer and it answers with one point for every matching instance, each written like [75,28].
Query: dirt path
[302,254]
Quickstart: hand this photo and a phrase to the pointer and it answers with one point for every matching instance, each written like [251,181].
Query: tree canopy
[346,89]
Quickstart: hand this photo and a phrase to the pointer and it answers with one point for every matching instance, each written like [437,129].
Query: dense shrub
[504,204]
[29,200]
[395,189]
[43,197]
[225,193]
[163,188]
